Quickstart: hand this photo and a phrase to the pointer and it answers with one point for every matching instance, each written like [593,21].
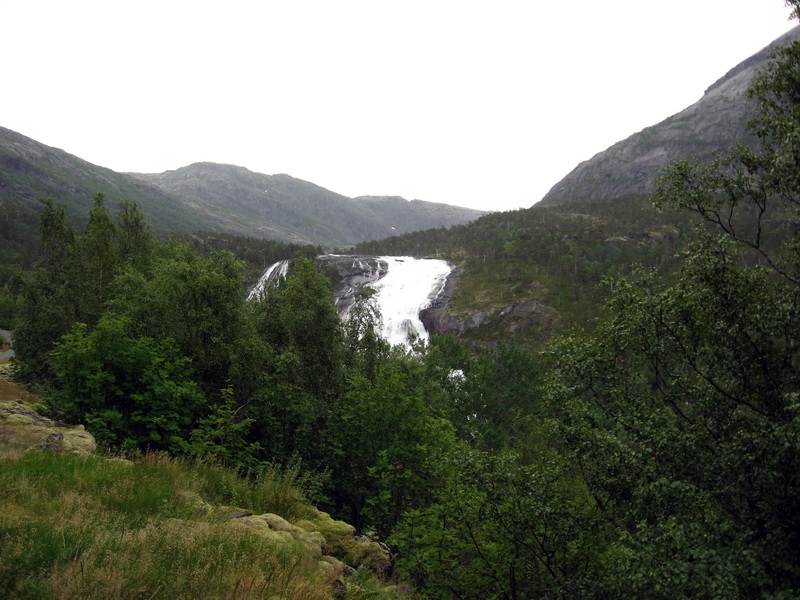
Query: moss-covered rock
[343,543]
[21,425]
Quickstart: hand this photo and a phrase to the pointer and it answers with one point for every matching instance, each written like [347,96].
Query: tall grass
[89,527]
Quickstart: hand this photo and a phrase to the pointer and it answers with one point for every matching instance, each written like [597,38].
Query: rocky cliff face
[349,273]
[712,124]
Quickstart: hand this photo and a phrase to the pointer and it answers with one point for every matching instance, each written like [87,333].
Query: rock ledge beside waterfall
[349,273]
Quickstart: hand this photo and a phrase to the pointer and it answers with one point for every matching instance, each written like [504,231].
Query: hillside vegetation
[641,441]
[554,256]
[86,526]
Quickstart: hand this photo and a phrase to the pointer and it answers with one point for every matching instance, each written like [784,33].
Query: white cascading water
[279,269]
[409,286]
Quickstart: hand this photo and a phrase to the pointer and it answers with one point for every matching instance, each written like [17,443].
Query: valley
[600,401]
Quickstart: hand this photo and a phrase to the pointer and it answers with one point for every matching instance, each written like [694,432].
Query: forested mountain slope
[211,197]
[524,275]
[30,170]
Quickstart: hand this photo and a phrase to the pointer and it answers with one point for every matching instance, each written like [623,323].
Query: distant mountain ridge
[31,170]
[710,125]
[297,210]
[214,198]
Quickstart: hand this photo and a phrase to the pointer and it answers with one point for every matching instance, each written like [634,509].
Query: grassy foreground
[87,526]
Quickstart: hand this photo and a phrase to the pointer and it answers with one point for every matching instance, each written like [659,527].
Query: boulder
[21,425]
[342,542]
[328,540]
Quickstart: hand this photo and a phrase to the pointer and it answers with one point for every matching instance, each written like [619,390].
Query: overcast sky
[479,104]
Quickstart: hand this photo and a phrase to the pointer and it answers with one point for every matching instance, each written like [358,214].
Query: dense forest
[652,454]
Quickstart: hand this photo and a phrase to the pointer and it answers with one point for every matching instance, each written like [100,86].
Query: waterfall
[409,286]
[403,285]
[270,277]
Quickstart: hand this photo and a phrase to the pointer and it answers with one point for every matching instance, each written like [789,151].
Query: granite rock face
[349,274]
[435,317]
[710,125]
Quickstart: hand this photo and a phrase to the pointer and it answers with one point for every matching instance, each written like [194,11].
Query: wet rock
[350,273]
[435,317]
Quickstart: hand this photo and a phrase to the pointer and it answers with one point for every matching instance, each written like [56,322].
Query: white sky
[479,104]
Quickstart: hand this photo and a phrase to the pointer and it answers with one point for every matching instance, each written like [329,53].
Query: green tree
[50,294]
[72,282]
[299,323]
[386,448]
[305,322]
[198,302]
[501,388]
[133,393]
[134,238]
[682,410]
[365,349]
[682,416]
[100,259]
[502,529]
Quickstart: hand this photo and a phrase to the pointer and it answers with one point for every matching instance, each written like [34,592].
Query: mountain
[406,216]
[31,170]
[710,125]
[290,209]
[213,198]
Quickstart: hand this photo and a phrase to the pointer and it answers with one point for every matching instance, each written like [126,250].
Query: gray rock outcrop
[710,125]
[350,273]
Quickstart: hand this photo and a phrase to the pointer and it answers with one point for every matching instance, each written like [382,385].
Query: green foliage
[297,318]
[19,242]
[50,297]
[132,393]
[500,390]
[71,283]
[681,413]
[298,322]
[222,436]
[155,348]
[365,350]
[502,530]
[388,446]
[682,409]
[198,302]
